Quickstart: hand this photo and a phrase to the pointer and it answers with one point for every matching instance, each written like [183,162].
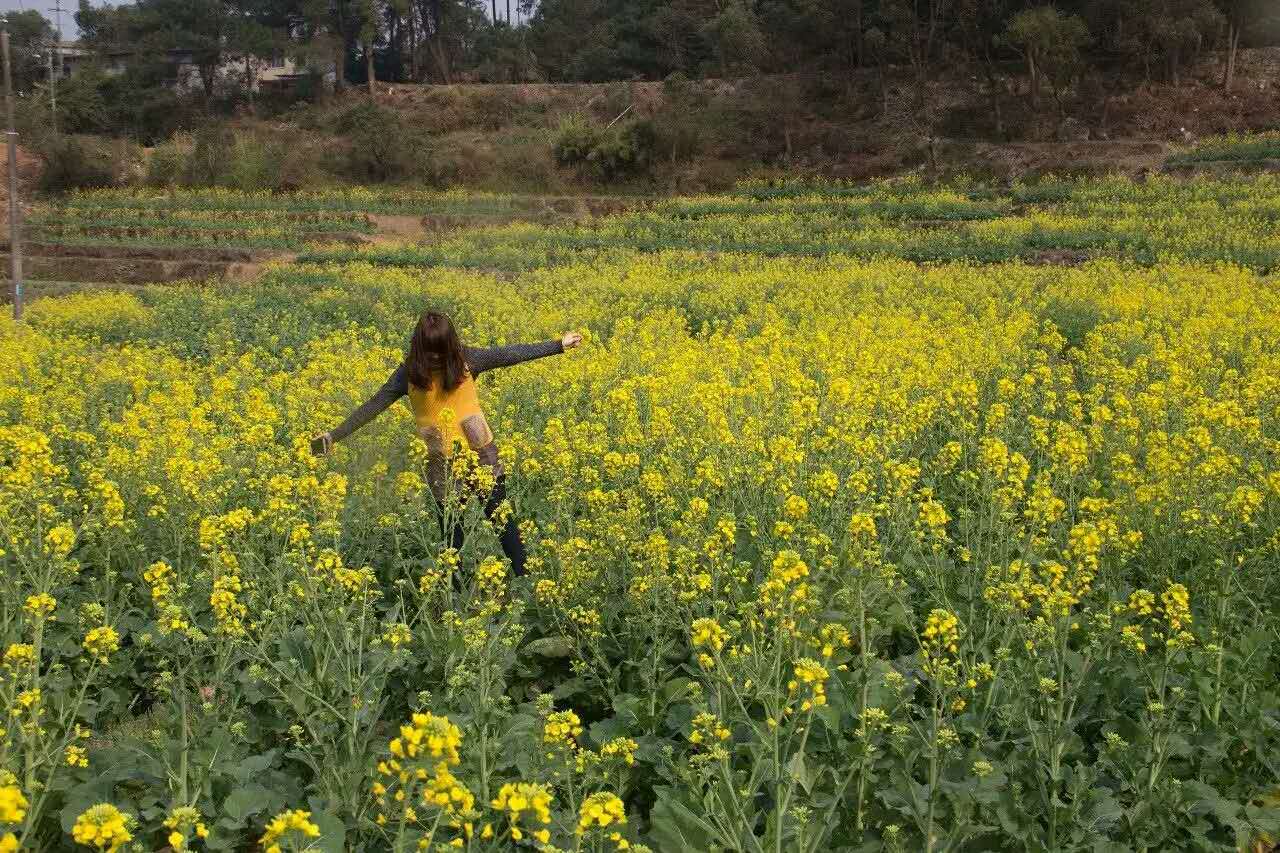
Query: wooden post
[15,211]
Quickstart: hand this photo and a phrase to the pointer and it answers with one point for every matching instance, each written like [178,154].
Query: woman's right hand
[322,444]
[570,340]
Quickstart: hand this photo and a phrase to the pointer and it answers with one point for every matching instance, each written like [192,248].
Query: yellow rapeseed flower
[103,827]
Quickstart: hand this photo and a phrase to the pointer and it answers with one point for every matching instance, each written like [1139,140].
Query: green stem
[933,777]
[484,735]
[859,819]
[1217,681]
[778,786]
[183,755]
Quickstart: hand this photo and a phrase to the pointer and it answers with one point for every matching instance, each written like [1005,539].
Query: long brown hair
[435,351]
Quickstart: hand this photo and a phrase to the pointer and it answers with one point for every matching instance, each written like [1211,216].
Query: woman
[440,373]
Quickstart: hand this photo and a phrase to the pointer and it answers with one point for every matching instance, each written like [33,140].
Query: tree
[735,32]
[400,22]
[979,25]
[329,26]
[1160,36]
[30,35]
[104,27]
[1051,43]
[876,44]
[202,27]
[504,57]
[257,29]
[679,29]
[452,31]
[371,12]
[155,28]
[1242,16]
[917,28]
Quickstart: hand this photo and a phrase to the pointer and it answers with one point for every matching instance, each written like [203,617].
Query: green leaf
[675,827]
[253,766]
[333,832]
[1103,812]
[245,802]
[830,717]
[603,731]
[800,772]
[676,688]
[569,687]
[551,647]
[628,709]
[1204,799]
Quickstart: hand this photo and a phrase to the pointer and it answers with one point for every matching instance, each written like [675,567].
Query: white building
[259,72]
[262,72]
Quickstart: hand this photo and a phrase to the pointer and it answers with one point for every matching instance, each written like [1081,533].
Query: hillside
[706,134]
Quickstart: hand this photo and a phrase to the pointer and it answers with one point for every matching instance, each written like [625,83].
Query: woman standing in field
[440,373]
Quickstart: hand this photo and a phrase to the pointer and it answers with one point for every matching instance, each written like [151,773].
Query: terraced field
[1161,219]
[136,237]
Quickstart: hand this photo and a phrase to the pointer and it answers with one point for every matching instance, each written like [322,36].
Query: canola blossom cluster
[825,551]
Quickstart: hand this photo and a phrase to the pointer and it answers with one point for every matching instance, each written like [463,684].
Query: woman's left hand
[322,444]
[570,340]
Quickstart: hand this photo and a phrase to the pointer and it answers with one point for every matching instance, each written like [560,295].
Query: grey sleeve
[480,359]
[396,386]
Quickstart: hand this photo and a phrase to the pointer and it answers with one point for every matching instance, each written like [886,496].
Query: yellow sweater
[443,417]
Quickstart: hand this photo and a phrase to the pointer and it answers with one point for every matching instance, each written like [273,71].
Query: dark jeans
[508,537]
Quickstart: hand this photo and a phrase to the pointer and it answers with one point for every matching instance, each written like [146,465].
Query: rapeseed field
[833,546]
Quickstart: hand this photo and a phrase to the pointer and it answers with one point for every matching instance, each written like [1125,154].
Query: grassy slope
[497,136]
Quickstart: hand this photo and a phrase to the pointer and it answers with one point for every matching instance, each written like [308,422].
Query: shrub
[522,163]
[288,103]
[574,140]
[155,115]
[209,162]
[82,107]
[623,148]
[217,156]
[255,164]
[380,148]
[167,163]
[680,128]
[132,104]
[72,163]
[610,151]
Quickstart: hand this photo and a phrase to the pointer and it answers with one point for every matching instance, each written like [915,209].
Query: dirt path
[394,228]
[250,270]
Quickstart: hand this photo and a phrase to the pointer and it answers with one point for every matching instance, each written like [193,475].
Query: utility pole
[15,211]
[55,71]
[53,95]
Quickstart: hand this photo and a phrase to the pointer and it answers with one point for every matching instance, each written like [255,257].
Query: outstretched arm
[396,386]
[480,359]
